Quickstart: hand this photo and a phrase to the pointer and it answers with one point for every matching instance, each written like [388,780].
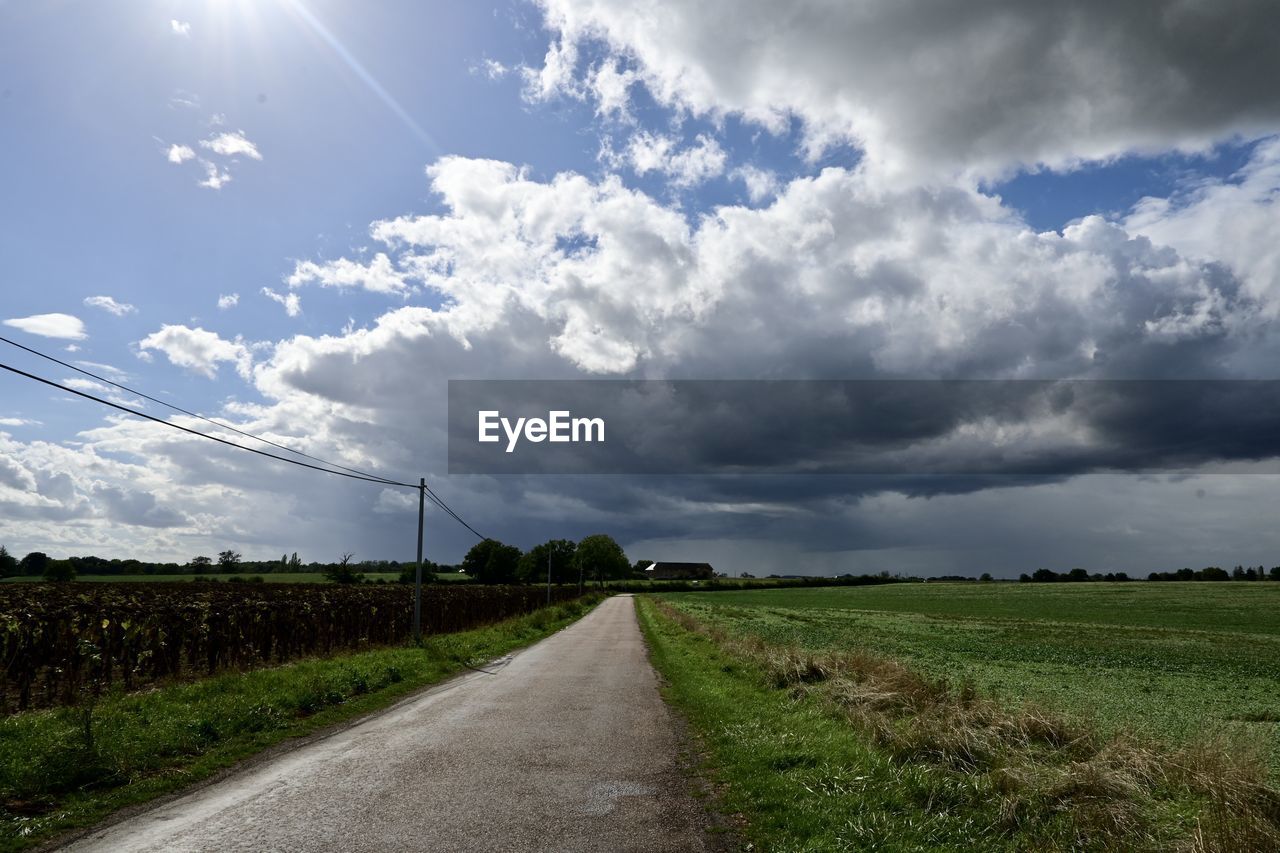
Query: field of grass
[65,768]
[1176,661]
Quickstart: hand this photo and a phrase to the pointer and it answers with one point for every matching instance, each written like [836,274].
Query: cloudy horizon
[305,219]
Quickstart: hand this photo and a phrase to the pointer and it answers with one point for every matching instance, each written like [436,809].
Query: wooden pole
[548,575]
[417,574]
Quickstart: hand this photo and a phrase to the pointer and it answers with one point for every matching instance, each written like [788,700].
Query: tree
[491,561]
[1275,573]
[409,572]
[8,563]
[601,558]
[746,575]
[295,564]
[229,561]
[986,577]
[34,563]
[59,571]
[533,565]
[200,565]
[343,571]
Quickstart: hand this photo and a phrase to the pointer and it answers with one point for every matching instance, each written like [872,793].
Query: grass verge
[853,752]
[69,768]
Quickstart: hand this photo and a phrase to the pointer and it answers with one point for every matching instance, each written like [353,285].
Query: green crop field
[1176,661]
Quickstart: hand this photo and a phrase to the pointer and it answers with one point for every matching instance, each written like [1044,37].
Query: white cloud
[50,326]
[18,422]
[106,303]
[378,276]
[761,184]
[198,350]
[228,300]
[231,144]
[493,69]
[113,372]
[185,100]
[932,91]
[291,301]
[1234,221]
[214,177]
[180,153]
[102,390]
[687,167]
[180,28]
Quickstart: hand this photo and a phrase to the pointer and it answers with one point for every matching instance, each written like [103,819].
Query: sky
[304,217]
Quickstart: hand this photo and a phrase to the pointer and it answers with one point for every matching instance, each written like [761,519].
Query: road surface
[567,746]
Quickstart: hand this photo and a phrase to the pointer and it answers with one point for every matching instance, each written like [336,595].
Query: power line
[349,473]
[138,393]
[171,424]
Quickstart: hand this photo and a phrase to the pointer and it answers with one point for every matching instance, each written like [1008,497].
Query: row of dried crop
[60,643]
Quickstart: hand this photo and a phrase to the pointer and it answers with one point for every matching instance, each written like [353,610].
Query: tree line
[597,558]
[1209,573]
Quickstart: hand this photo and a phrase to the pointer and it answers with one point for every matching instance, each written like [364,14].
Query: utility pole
[417,574]
[548,575]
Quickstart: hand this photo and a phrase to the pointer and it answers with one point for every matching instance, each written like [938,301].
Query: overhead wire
[350,473]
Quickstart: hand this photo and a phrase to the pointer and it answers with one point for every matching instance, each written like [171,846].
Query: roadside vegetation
[838,728]
[70,767]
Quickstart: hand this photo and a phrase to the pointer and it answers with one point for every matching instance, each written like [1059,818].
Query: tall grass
[1100,792]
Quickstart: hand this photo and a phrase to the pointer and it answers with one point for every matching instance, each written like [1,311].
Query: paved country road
[567,746]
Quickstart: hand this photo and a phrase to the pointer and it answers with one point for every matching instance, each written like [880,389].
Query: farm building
[679,571]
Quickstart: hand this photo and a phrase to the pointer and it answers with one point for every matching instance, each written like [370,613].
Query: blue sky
[319,119]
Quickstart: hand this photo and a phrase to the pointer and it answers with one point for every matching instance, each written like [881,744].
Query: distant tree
[1044,576]
[639,567]
[1076,575]
[492,561]
[986,577]
[200,565]
[600,558]
[409,571]
[33,564]
[8,563]
[1275,573]
[533,564]
[1237,573]
[59,571]
[746,575]
[295,564]
[343,571]
[228,560]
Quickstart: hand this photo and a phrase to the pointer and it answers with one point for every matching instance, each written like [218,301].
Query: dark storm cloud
[911,429]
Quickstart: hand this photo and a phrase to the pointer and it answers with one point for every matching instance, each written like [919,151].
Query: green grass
[1174,661]
[801,778]
[52,778]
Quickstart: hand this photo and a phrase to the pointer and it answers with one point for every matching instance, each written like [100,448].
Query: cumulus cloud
[50,326]
[180,153]
[686,167]
[198,350]
[1233,221]
[214,177]
[924,90]
[231,144]
[291,301]
[761,184]
[106,303]
[228,300]
[180,28]
[378,276]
